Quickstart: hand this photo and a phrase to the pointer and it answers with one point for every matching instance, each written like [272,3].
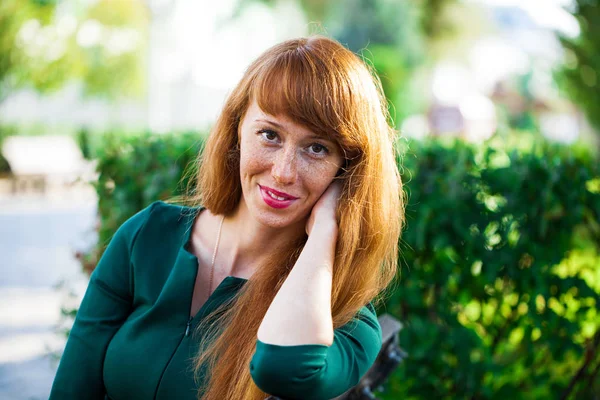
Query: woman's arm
[301,310]
[106,304]
[298,354]
[316,371]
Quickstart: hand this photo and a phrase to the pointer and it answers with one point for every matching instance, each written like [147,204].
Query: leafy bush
[501,279]
[134,171]
[500,282]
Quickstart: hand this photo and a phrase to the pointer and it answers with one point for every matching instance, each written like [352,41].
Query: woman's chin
[278,221]
[277,218]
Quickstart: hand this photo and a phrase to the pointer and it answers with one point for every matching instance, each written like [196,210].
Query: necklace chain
[214,256]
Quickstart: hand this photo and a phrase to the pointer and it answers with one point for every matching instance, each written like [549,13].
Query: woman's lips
[275,198]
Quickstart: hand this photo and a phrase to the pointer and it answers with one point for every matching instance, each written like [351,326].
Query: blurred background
[105,103]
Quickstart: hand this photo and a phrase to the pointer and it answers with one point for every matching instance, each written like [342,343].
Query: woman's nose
[284,167]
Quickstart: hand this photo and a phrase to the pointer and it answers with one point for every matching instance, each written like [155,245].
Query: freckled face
[284,168]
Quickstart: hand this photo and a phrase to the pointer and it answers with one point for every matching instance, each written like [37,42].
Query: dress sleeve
[105,305]
[317,371]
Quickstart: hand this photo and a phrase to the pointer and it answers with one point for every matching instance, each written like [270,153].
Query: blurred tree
[45,44]
[388,36]
[113,65]
[396,37]
[14,14]
[433,23]
[447,35]
[579,77]
[432,20]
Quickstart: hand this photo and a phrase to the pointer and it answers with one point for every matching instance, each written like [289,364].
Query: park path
[38,275]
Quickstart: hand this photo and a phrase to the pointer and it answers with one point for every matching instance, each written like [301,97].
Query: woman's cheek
[254,159]
[319,176]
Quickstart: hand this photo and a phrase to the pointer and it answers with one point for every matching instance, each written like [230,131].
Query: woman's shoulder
[160,218]
[161,209]
[163,215]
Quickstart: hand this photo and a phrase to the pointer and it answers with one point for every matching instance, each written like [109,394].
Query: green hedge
[500,276]
[134,171]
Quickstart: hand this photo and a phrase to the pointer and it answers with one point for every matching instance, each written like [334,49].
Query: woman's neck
[247,242]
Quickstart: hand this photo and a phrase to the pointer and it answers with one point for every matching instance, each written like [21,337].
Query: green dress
[132,337]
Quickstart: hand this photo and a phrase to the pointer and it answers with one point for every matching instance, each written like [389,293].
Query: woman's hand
[324,211]
[301,310]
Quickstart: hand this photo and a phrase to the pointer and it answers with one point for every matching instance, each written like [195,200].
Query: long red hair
[320,84]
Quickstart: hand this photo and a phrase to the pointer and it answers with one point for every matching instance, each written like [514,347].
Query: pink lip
[275,203]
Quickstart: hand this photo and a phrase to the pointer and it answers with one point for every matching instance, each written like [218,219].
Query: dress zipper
[187,327]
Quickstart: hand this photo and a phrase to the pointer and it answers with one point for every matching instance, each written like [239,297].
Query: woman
[267,287]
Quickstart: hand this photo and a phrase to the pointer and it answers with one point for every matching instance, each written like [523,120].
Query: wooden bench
[37,161]
[389,357]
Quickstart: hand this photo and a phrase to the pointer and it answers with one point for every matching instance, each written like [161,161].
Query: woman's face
[284,167]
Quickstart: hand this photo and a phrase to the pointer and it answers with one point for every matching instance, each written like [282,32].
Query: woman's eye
[268,135]
[317,148]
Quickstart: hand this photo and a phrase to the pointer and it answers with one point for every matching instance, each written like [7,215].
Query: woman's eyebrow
[268,121]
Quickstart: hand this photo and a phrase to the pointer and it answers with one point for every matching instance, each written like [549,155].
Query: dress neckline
[191,215]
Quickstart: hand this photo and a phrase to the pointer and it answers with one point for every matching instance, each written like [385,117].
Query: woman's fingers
[324,210]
